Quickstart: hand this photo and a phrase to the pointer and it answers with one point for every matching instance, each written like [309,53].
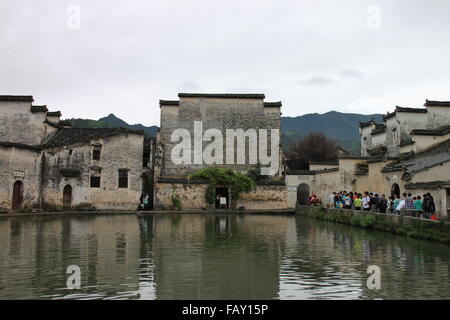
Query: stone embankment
[393,223]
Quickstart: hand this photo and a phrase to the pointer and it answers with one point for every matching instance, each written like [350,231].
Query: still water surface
[206,256]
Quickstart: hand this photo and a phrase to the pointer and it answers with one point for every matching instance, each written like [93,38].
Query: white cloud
[313,56]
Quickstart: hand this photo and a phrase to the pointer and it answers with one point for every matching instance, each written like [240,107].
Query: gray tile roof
[70,136]
[411,163]
[379,128]
[418,164]
[441,131]
[366,124]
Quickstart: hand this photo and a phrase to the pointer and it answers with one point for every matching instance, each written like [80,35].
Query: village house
[408,152]
[44,163]
[220,112]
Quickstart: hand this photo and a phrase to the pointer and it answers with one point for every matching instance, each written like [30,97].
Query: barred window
[123,178]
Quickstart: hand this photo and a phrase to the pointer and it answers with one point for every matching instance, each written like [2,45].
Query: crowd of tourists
[369,201]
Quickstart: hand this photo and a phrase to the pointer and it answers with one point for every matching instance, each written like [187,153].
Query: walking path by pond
[213,256]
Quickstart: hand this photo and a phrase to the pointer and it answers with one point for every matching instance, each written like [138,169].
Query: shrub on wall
[176,202]
[235,181]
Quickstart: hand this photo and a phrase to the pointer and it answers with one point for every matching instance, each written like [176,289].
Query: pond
[213,256]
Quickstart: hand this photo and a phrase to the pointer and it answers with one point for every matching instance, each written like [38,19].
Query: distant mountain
[342,127]
[111,121]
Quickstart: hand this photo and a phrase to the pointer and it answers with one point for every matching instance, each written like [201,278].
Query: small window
[95,182]
[146,159]
[95,177]
[96,152]
[70,151]
[123,178]
[96,155]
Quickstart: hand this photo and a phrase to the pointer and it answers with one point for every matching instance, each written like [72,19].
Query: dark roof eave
[272,104]
[39,109]
[169,103]
[54,125]
[411,110]
[324,163]
[428,185]
[353,158]
[12,98]
[300,172]
[442,131]
[366,124]
[54,114]
[326,170]
[429,103]
[389,115]
[223,95]
[20,145]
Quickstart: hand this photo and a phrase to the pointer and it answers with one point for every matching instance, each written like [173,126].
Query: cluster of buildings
[408,152]
[45,163]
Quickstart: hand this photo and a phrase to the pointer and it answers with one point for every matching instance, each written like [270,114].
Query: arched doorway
[67,196]
[17,199]
[302,193]
[395,190]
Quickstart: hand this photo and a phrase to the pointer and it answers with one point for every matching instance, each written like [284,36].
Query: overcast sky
[315,56]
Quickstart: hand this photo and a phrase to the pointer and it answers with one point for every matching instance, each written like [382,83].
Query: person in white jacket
[400,206]
[365,203]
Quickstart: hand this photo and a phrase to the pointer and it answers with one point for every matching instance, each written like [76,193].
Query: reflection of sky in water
[209,256]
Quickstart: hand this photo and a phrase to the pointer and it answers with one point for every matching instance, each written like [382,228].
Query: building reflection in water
[206,256]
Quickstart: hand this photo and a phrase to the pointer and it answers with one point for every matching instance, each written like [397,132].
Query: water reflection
[205,256]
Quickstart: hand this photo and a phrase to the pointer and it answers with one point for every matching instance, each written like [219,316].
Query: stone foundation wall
[393,223]
[264,197]
[192,196]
